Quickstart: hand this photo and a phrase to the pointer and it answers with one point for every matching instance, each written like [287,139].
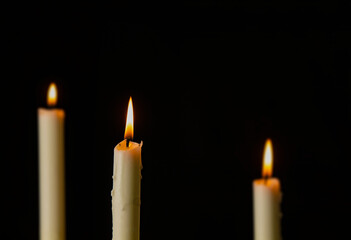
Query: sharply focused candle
[126,185]
[266,200]
[51,169]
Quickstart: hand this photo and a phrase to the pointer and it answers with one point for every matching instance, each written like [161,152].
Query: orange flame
[52,95]
[129,131]
[267,169]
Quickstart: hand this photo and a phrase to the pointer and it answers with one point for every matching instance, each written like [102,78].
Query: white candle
[51,170]
[266,200]
[126,185]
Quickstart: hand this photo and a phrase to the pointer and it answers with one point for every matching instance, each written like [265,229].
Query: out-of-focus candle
[126,185]
[51,169]
[266,200]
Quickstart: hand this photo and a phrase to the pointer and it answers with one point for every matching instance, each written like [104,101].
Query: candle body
[126,191]
[51,174]
[266,204]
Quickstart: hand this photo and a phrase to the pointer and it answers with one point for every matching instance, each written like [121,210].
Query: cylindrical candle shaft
[51,174]
[126,191]
[266,204]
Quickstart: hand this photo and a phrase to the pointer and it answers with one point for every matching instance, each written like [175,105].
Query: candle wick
[127,142]
[51,106]
[265,179]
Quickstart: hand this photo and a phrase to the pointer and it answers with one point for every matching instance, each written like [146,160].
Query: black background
[210,81]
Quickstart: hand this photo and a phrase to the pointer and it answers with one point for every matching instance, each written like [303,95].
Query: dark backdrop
[210,81]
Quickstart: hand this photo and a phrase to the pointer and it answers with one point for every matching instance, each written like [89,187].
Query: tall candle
[51,169]
[126,185]
[266,200]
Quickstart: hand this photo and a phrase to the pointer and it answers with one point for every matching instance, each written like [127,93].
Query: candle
[51,169]
[266,200]
[126,185]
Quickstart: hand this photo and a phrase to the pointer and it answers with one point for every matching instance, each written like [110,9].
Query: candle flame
[52,95]
[129,131]
[267,169]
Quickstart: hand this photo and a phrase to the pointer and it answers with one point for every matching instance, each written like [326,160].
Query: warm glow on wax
[52,95]
[267,159]
[129,131]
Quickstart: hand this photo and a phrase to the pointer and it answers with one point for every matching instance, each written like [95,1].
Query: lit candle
[126,185]
[266,200]
[51,169]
